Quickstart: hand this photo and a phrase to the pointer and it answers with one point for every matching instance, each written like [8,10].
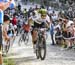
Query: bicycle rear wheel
[7,47]
[26,38]
[20,40]
[37,50]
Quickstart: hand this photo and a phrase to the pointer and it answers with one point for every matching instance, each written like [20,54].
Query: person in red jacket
[14,20]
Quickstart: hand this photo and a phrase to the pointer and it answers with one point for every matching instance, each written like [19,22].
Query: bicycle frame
[41,44]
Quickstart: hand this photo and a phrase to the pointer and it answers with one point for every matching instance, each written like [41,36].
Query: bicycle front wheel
[42,51]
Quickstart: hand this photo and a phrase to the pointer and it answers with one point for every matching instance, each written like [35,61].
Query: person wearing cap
[3,6]
[42,11]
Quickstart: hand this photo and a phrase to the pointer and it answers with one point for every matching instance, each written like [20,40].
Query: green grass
[8,62]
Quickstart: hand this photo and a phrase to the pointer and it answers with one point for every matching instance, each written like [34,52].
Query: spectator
[58,31]
[19,7]
[14,20]
[52,32]
[3,6]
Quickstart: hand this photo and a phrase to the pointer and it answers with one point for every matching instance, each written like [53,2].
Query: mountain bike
[24,37]
[41,44]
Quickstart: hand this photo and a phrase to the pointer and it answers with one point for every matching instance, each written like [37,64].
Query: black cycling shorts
[36,25]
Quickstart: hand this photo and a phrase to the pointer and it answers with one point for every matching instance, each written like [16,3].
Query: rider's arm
[48,21]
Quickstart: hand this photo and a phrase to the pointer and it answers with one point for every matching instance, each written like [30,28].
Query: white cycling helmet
[15,26]
[26,22]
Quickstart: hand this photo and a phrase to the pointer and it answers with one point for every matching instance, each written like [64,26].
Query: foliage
[8,62]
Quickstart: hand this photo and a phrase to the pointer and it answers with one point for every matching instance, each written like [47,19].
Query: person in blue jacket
[52,32]
[3,6]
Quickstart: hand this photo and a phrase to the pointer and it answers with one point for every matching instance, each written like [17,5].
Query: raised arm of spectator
[4,6]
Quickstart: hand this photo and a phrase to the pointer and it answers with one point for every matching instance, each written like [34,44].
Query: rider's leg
[52,38]
[34,38]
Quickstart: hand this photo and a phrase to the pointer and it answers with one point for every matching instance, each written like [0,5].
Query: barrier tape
[59,36]
[65,37]
[69,38]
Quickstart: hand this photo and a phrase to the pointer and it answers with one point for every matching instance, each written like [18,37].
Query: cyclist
[19,7]
[11,30]
[8,31]
[5,29]
[42,10]
[39,21]
[25,13]
[14,22]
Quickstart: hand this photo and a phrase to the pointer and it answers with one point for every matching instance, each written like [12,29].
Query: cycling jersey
[11,29]
[39,22]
